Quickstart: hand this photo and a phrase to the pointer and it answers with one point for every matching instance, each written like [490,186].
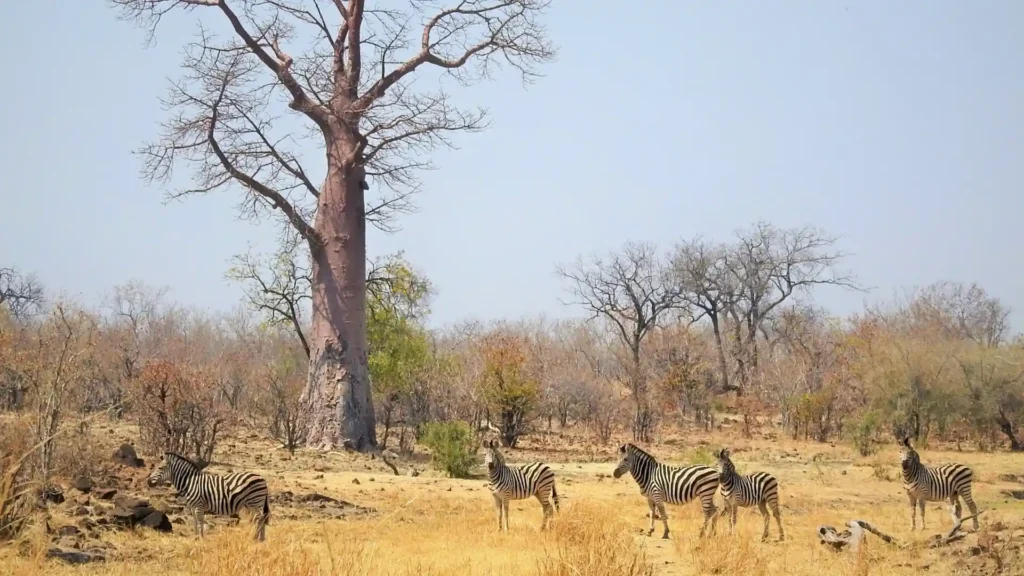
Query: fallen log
[852,537]
[954,533]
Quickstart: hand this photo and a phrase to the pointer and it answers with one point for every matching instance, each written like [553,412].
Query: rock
[68,531]
[125,455]
[82,484]
[131,517]
[52,494]
[80,511]
[68,543]
[74,556]
[371,479]
[105,493]
[314,497]
[319,468]
[129,502]
[414,472]
[356,481]
[1015,494]
[157,521]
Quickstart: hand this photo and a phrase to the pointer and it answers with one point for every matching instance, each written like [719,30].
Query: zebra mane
[173,456]
[638,450]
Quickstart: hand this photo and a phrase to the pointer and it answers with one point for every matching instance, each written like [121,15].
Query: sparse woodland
[673,340]
[329,349]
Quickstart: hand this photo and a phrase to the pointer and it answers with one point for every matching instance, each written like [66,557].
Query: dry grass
[436,526]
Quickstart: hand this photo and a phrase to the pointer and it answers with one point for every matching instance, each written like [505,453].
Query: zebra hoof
[664,536]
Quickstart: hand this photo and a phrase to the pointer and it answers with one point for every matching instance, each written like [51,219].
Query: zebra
[760,489]
[507,483]
[923,484]
[662,483]
[217,494]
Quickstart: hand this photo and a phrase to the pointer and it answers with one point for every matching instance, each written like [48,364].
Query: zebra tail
[554,495]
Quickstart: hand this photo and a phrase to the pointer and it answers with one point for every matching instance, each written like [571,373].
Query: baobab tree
[350,93]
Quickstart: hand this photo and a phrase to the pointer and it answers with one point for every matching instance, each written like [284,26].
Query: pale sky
[897,125]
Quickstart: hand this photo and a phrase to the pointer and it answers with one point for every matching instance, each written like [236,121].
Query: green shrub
[701,455]
[452,445]
[865,433]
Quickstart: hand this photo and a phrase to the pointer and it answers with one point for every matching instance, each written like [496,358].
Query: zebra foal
[222,495]
[934,484]
[661,483]
[757,489]
[507,483]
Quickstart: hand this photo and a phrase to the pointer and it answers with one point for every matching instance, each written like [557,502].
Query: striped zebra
[662,483]
[213,493]
[507,483]
[923,484]
[758,489]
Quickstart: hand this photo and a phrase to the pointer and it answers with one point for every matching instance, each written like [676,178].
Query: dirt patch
[314,505]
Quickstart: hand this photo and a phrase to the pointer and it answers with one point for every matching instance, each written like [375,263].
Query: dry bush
[277,401]
[178,410]
[594,542]
[15,498]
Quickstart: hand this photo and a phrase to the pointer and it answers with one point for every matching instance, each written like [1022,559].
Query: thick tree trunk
[723,368]
[1006,426]
[337,401]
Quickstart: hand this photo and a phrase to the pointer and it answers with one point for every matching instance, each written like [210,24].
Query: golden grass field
[433,525]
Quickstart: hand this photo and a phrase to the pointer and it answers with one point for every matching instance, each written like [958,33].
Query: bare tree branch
[22,294]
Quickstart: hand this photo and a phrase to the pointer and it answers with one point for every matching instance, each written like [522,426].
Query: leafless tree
[354,89]
[280,288]
[629,290]
[701,275]
[22,294]
[964,311]
[768,266]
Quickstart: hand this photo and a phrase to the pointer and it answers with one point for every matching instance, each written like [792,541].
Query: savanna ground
[430,524]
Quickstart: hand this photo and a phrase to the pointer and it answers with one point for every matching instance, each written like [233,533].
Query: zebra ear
[906,441]
[494,444]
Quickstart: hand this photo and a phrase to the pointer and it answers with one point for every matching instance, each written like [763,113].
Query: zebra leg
[734,510]
[201,521]
[497,504]
[664,518]
[965,493]
[505,507]
[920,504]
[546,506]
[913,512]
[954,507]
[654,514]
[707,505]
[763,507]
[778,519]
[261,526]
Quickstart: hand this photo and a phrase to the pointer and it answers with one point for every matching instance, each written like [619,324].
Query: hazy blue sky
[897,125]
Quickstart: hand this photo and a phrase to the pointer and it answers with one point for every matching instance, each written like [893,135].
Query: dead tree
[700,273]
[768,266]
[852,537]
[954,533]
[352,95]
[19,293]
[629,290]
